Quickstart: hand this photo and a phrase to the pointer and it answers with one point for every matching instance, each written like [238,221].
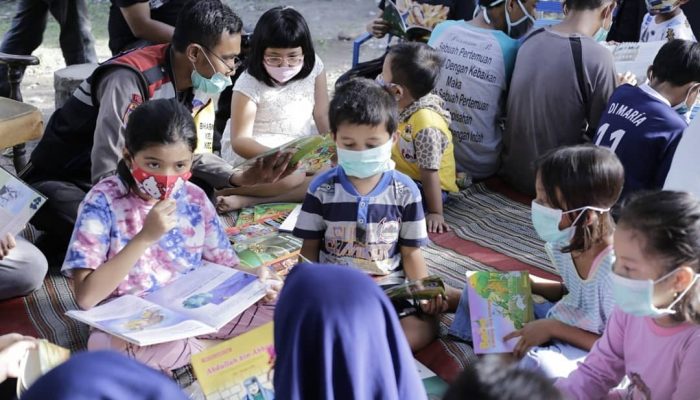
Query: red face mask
[160,187]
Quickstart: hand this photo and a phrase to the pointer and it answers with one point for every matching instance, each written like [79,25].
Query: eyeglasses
[292,61]
[231,69]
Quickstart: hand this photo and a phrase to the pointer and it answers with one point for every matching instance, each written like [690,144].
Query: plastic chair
[19,122]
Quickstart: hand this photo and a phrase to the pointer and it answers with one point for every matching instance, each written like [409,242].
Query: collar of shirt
[350,188]
[654,94]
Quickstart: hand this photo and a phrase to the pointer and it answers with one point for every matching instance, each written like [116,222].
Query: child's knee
[420,331]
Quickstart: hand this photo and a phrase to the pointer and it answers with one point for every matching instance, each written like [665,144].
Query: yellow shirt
[406,154]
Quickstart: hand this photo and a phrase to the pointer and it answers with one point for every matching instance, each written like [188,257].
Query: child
[147,226]
[665,21]
[363,213]
[576,186]
[424,148]
[337,337]
[275,101]
[653,337]
[643,125]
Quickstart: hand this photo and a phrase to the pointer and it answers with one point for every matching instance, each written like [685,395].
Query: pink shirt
[110,216]
[661,363]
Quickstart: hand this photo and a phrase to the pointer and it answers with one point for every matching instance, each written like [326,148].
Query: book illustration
[37,362]
[18,203]
[147,318]
[260,221]
[499,303]
[222,292]
[264,212]
[434,386]
[239,368]
[250,232]
[268,251]
[311,152]
[412,20]
[421,289]
[245,217]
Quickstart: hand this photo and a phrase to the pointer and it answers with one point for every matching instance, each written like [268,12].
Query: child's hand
[628,78]
[437,305]
[272,282]
[13,347]
[436,223]
[7,243]
[378,27]
[159,221]
[533,334]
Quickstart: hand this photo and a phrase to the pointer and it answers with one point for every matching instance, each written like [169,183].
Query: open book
[239,368]
[280,252]
[634,57]
[37,362]
[499,303]
[311,152]
[18,203]
[413,20]
[198,303]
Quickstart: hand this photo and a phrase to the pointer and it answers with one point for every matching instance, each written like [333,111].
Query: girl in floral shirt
[147,226]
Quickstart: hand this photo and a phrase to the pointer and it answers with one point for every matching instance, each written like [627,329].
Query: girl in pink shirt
[653,336]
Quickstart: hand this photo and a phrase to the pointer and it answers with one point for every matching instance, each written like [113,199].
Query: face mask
[214,85]
[365,163]
[520,27]
[661,6]
[682,108]
[635,297]
[601,35]
[546,221]
[159,187]
[283,74]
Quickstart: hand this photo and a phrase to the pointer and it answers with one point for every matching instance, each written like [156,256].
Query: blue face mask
[214,85]
[546,221]
[682,108]
[636,297]
[365,163]
[601,34]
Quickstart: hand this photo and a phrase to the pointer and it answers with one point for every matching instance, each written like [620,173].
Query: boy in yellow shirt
[424,149]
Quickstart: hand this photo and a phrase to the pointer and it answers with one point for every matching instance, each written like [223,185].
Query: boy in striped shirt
[363,213]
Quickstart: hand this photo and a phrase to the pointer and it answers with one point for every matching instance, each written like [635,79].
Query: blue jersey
[643,130]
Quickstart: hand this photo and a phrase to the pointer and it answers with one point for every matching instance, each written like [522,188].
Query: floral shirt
[111,215]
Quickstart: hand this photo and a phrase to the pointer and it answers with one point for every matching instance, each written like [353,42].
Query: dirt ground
[327,19]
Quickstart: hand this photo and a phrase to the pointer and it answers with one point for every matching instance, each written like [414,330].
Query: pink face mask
[160,187]
[283,74]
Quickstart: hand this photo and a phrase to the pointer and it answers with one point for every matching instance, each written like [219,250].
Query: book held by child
[311,152]
[18,203]
[200,302]
[499,303]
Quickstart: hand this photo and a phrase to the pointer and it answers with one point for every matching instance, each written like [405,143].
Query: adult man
[139,23]
[84,139]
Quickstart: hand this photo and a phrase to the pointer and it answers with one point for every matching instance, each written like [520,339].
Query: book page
[18,203]
[140,321]
[634,57]
[311,152]
[499,303]
[212,294]
[291,221]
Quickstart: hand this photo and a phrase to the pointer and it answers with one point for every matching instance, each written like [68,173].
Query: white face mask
[636,297]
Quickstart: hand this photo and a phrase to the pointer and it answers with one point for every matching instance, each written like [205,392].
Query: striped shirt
[589,303]
[364,232]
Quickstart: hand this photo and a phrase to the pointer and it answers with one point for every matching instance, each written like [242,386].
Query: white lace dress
[284,113]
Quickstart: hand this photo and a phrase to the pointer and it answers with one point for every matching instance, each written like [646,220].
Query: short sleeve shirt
[111,215]
[365,232]
[120,35]
[675,28]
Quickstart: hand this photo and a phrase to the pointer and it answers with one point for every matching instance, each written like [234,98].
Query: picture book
[265,212]
[422,289]
[238,369]
[18,203]
[434,386]
[499,303]
[280,251]
[259,222]
[37,362]
[198,303]
[411,19]
[311,152]
[634,57]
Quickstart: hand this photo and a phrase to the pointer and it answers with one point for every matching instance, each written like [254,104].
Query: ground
[327,19]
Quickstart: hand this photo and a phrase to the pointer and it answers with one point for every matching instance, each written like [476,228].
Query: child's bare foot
[225,204]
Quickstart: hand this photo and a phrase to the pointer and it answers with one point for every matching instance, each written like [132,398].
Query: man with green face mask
[561,82]
[84,139]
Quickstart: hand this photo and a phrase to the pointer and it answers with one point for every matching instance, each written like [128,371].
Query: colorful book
[239,368]
[499,303]
[37,362]
[421,289]
[434,386]
[411,19]
[271,211]
[198,303]
[311,152]
[18,203]
[279,252]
